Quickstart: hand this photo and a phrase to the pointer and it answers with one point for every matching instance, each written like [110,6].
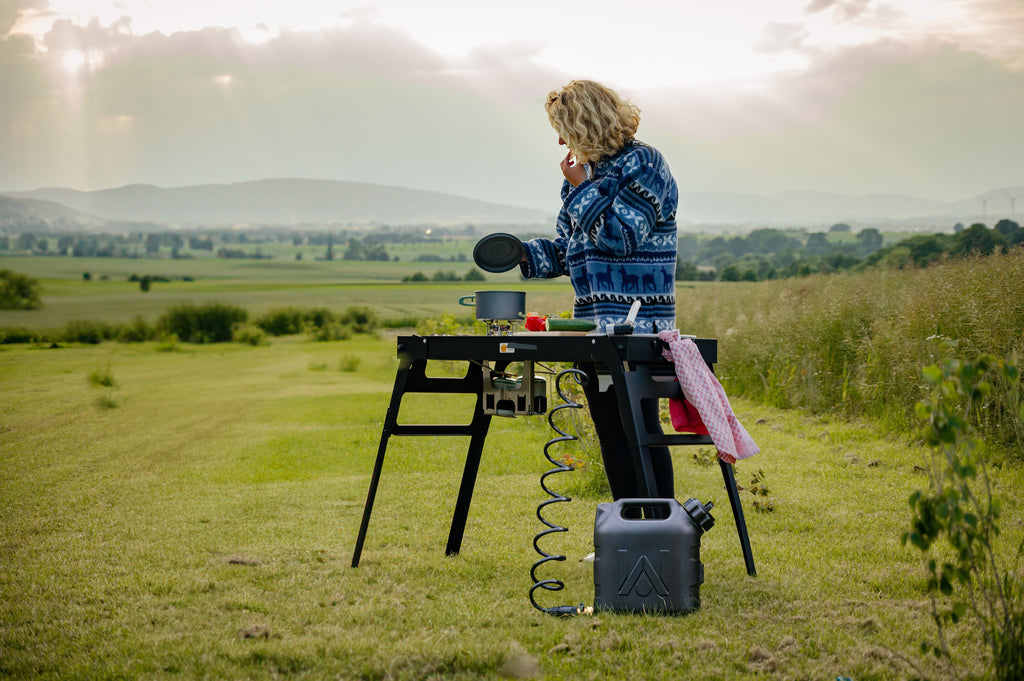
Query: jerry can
[649,564]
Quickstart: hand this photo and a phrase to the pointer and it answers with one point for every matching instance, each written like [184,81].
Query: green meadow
[190,511]
[255,285]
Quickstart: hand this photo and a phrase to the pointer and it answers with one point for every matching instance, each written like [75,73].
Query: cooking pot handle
[463,299]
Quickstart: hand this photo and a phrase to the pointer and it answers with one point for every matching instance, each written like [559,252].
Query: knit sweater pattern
[616,241]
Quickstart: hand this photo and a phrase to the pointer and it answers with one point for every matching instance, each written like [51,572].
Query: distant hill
[807,209]
[283,202]
[29,211]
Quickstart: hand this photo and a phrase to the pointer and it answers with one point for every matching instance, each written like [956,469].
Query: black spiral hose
[555,497]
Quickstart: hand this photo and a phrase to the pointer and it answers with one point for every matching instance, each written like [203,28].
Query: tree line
[773,253]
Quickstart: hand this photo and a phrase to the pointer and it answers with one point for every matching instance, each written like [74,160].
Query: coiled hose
[555,497]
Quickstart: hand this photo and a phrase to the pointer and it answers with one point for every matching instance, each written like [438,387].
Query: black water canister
[649,564]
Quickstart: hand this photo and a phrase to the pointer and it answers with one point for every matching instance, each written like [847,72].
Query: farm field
[196,518]
[255,285]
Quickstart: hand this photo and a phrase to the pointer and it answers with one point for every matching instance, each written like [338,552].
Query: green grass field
[255,285]
[197,519]
[184,511]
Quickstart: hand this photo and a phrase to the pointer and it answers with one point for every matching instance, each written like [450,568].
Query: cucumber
[558,324]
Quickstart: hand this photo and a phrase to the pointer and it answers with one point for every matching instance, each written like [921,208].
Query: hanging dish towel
[705,393]
[685,417]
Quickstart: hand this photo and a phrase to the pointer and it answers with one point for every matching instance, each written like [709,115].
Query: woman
[616,241]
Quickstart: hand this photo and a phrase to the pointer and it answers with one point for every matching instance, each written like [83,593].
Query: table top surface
[547,346]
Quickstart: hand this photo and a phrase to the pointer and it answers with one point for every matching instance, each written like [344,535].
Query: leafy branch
[959,508]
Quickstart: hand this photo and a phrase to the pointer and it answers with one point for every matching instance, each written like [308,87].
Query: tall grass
[853,344]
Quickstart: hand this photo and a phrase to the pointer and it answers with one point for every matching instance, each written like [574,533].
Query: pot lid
[498,252]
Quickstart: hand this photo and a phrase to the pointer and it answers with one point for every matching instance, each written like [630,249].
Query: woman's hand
[575,173]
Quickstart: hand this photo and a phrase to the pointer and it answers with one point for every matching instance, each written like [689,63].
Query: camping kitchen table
[634,363]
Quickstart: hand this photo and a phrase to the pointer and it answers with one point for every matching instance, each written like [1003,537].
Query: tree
[1006,227]
[925,249]
[18,291]
[818,244]
[686,271]
[768,241]
[26,241]
[840,227]
[978,240]
[869,240]
[730,273]
[354,250]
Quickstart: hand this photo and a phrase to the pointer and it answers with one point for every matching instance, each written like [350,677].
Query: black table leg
[481,422]
[737,512]
[390,419]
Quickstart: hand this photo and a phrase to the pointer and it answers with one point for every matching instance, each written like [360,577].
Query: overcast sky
[922,97]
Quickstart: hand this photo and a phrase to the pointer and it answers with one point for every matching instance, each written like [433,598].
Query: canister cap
[700,513]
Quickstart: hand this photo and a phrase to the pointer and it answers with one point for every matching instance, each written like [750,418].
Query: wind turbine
[984,207]
[1013,207]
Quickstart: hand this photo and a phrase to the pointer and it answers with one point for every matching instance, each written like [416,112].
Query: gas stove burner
[499,327]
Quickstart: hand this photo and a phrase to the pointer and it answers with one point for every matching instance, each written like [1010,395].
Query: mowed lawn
[197,520]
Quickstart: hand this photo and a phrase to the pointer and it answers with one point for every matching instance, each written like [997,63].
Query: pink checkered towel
[703,391]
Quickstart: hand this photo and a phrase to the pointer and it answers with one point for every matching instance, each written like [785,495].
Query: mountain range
[309,202]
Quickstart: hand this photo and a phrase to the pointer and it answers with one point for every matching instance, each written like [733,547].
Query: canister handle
[463,299]
[670,504]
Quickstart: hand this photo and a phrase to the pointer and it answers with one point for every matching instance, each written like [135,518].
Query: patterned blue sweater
[616,241]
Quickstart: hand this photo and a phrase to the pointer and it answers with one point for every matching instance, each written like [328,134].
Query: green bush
[86,331]
[956,519]
[281,322]
[18,291]
[331,332]
[318,317]
[361,319]
[250,334]
[210,323]
[16,334]
[349,363]
[136,331]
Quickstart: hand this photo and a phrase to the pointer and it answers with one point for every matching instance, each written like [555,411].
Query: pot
[497,305]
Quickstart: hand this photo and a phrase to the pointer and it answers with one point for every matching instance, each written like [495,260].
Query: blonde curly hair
[591,119]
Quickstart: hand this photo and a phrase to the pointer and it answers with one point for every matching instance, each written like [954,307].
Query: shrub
[136,331]
[251,334]
[16,334]
[361,319]
[318,317]
[955,520]
[281,322]
[445,325]
[86,331]
[349,363]
[331,332]
[210,323]
[104,379]
[18,291]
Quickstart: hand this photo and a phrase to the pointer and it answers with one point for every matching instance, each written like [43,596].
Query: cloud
[777,37]
[944,124]
[364,103]
[844,10]
[891,107]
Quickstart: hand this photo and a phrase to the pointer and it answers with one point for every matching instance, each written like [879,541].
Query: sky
[918,97]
